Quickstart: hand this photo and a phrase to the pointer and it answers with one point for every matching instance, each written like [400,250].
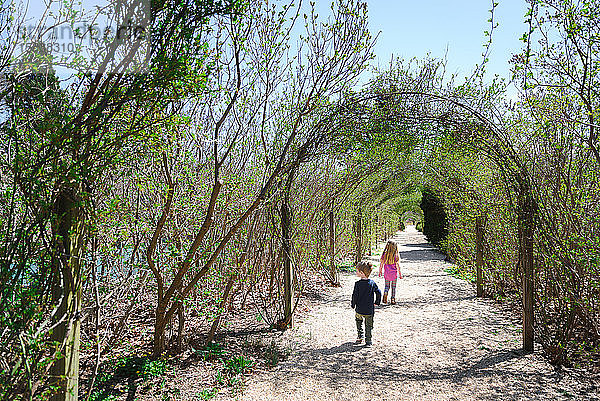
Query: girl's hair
[389,253]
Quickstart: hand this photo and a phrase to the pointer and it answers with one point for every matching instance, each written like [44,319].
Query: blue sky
[413,28]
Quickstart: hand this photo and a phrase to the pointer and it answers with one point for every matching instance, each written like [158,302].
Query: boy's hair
[364,267]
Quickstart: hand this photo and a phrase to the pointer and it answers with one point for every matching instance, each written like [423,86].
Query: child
[391,270]
[362,301]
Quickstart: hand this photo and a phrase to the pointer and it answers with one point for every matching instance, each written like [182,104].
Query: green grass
[129,371]
[208,394]
[345,267]
[231,368]
[463,274]
[239,365]
[212,352]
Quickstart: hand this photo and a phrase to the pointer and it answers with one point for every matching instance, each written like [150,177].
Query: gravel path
[438,343]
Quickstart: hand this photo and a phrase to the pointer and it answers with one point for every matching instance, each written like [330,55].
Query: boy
[362,301]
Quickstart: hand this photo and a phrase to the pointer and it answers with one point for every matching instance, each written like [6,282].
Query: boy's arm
[354,296]
[377,295]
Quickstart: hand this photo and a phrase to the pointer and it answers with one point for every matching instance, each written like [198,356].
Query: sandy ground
[438,343]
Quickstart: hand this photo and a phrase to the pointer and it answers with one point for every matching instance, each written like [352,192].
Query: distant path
[438,343]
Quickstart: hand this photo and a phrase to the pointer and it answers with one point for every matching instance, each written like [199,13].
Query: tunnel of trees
[242,160]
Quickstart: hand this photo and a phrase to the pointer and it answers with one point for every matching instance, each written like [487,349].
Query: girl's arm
[398,266]
[380,267]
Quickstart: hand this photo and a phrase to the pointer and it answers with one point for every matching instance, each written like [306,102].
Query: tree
[59,141]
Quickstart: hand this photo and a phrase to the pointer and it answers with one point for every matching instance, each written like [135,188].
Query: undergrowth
[462,273]
[126,374]
[231,369]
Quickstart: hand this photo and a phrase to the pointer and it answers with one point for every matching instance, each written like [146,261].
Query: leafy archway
[402,120]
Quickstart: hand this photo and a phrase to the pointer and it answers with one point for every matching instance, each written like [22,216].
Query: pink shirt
[390,272]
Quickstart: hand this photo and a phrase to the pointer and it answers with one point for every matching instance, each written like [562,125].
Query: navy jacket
[362,297]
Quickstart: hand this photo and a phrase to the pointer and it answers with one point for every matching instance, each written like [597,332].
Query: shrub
[435,222]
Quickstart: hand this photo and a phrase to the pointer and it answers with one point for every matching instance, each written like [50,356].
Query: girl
[389,264]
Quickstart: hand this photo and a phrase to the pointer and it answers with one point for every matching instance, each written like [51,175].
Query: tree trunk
[160,325]
[217,321]
[479,224]
[287,263]
[69,237]
[180,326]
[332,248]
[358,232]
[371,237]
[526,216]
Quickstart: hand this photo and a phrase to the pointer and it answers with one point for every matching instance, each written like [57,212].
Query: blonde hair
[364,267]
[390,253]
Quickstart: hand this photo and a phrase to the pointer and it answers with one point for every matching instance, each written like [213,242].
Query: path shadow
[434,300]
[314,296]
[422,245]
[346,364]
[492,360]
[345,347]
[420,255]
[425,275]
[235,333]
